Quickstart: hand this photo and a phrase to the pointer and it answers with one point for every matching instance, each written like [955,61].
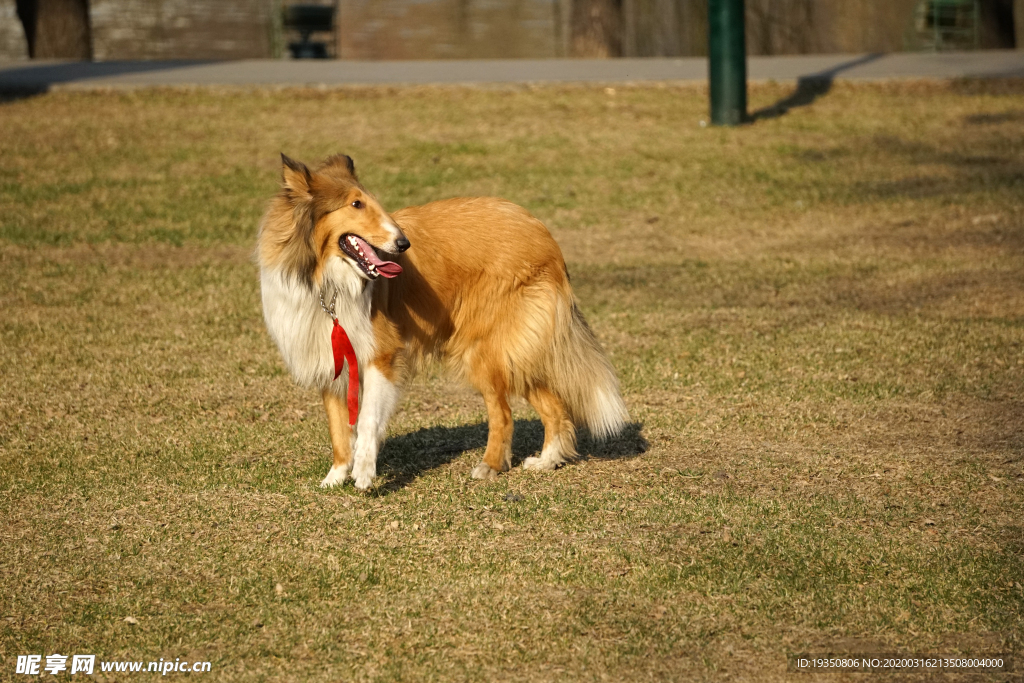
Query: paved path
[40,77]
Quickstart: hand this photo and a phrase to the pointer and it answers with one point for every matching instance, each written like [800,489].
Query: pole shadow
[405,458]
[809,88]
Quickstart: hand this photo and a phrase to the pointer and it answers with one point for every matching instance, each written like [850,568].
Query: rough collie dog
[478,283]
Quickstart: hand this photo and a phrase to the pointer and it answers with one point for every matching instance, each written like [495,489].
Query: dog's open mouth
[366,257]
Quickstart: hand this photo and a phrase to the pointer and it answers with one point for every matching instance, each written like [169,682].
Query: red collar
[343,351]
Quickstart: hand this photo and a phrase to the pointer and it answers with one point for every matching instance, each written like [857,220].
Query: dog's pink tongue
[388,269]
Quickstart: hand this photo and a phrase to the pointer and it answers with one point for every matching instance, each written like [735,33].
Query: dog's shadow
[404,458]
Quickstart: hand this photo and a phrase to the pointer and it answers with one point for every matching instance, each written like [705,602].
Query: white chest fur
[301,328]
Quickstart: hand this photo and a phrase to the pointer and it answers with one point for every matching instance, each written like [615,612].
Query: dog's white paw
[364,474]
[335,477]
[540,464]
[483,471]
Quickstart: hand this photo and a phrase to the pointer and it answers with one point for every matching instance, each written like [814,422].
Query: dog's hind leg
[498,456]
[380,398]
[341,439]
[559,431]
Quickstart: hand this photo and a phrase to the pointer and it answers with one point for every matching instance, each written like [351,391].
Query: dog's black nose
[402,243]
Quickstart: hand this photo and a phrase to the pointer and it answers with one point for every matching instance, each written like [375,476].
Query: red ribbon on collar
[343,351]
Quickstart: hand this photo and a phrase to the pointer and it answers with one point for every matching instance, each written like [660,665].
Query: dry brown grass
[818,321]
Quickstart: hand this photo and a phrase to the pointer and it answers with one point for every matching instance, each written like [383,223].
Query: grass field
[817,320]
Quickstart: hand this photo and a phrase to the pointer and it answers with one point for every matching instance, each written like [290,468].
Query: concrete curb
[35,77]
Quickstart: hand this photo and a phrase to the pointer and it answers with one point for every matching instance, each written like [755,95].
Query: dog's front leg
[380,397]
[341,439]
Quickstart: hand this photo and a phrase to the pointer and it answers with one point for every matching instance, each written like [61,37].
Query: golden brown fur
[301,228]
[484,288]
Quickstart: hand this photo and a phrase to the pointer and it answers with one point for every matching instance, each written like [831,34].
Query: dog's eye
[357,204]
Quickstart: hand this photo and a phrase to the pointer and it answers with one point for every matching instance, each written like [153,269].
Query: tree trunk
[1018,23]
[597,28]
[56,29]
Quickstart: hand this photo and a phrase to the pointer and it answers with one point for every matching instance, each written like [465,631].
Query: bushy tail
[579,373]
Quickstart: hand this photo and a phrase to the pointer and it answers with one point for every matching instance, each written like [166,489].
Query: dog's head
[326,214]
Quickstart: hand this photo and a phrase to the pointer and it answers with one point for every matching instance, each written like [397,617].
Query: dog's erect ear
[351,165]
[296,176]
[344,161]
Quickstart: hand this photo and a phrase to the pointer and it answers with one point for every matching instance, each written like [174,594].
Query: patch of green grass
[817,320]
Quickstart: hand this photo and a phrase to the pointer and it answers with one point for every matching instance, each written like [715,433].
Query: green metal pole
[727,58]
